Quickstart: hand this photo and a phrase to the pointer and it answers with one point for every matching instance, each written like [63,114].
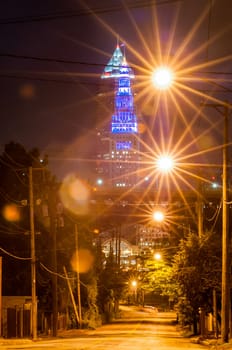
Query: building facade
[119,156]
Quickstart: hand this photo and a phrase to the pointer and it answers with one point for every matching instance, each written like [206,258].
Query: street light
[134,285]
[162,77]
[157,256]
[158,216]
[165,163]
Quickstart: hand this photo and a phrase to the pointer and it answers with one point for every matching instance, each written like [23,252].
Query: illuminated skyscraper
[122,156]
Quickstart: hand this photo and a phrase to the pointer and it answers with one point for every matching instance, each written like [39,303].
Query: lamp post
[225,286]
[225,308]
[33,253]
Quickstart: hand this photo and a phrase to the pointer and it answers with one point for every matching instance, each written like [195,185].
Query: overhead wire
[5,196]
[215,213]
[12,255]
[215,218]
[85,12]
[20,165]
[76,62]
[54,273]
[74,80]
[48,59]
[8,232]
[14,170]
[60,275]
[16,229]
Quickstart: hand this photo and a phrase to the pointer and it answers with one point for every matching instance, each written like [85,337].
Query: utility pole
[225,238]
[200,209]
[225,285]
[0,296]
[53,232]
[33,258]
[200,217]
[78,277]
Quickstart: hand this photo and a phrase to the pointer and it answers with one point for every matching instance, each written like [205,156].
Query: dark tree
[197,270]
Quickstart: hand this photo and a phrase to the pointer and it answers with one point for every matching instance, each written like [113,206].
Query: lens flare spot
[142,128]
[206,142]
[11,212]
[27,91]
[82,261]
[74,194]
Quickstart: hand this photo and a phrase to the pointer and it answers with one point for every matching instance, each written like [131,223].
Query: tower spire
[122,169]
[115,64]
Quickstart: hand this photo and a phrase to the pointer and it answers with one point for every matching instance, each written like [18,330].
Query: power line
[91,64]
[73,82]
[59,60]
[86,12]
[60,275]
[72,79]
[9,165]
[47,59]
[13,256]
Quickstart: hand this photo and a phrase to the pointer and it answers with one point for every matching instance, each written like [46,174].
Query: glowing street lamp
[162,77]
[165,163]
[157,256]
[158,216]
[134,285]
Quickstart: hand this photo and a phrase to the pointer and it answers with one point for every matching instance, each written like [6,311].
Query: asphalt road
[142,329]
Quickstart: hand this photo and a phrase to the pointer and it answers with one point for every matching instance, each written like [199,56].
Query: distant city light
[99,182]
[214,185]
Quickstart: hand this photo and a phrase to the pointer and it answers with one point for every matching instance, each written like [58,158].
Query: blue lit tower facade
[123,156]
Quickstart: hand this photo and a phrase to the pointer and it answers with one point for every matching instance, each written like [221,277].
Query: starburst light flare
[162,78]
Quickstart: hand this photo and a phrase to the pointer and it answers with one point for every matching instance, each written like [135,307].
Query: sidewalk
[69,333]
[213,343]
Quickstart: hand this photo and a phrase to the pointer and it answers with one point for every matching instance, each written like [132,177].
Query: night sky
[52,54]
